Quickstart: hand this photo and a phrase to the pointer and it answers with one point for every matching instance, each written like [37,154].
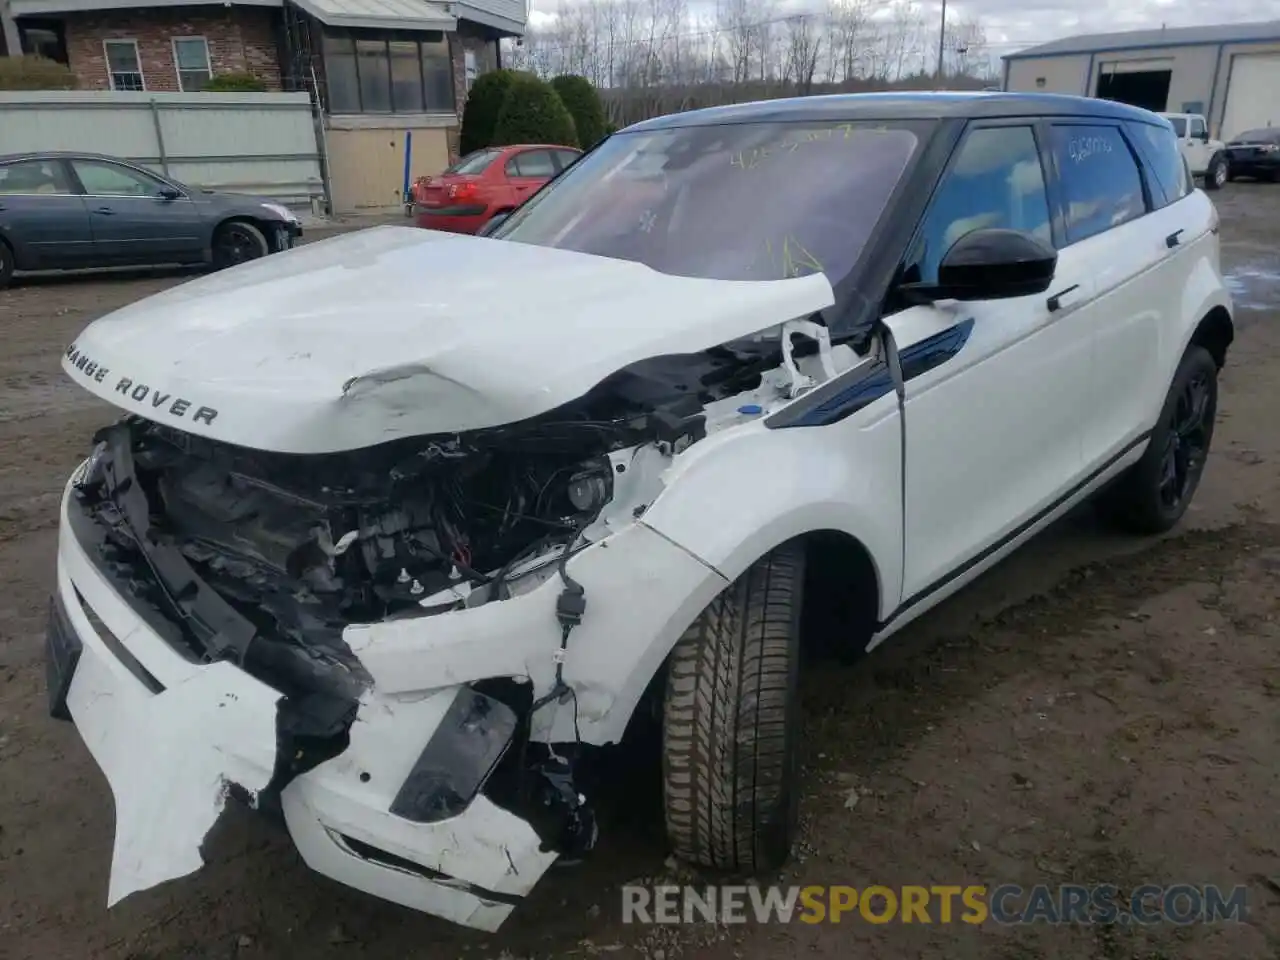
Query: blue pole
[408,154]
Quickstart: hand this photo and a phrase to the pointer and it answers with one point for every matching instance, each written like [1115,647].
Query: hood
[395,332]
[219,200]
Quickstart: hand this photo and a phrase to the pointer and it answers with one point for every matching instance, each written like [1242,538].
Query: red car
[484,183]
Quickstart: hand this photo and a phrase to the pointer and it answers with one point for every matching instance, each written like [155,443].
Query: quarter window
[1165,161]
[1101,183]
[33,178]
[191,56]
[124,69]
[995,181]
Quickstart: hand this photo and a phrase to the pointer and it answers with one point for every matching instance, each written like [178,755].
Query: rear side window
[1179,125]
[1101,183]
[33,178]
[1165,161]
[531,163]
[566,157]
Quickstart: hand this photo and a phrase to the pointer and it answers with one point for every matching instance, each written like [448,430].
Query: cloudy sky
[1014,24]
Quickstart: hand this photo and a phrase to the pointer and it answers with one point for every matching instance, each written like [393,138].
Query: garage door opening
[1140,84]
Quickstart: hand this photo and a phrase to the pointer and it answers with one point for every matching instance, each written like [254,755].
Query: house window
[191,57]
[43,38]
[372,74]
[123,66]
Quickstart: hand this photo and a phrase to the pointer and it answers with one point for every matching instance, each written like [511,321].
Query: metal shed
[1230,73]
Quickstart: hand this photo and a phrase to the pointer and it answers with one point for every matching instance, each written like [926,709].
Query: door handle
[105,211]
[1173,239]
[1054,303]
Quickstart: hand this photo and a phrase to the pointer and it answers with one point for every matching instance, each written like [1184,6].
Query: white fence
[262,143]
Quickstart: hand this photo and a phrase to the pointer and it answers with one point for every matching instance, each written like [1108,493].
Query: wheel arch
[265,227]
[16,252]
[829,552]
[1215,332]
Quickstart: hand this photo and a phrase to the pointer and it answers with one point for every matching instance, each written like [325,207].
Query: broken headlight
[90,471]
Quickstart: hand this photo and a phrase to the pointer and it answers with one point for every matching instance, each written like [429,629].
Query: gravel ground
[1098,709]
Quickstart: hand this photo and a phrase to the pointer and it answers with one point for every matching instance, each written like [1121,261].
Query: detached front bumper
[176,739]
[286,235]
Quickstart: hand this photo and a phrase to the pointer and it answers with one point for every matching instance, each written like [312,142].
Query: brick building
[390,75]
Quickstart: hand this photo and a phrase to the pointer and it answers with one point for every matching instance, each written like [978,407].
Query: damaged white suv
[397,521]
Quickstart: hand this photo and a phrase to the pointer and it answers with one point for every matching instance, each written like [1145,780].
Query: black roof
[934,105]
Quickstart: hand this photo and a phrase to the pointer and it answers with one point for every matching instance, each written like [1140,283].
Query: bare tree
[903,38]
[848,29]
[804,44]
[966,48]
[651,57]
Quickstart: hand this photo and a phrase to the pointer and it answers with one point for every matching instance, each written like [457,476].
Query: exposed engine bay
[265,558]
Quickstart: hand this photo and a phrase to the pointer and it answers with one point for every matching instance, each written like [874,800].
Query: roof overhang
[508,26]
[38,8]
[415,15]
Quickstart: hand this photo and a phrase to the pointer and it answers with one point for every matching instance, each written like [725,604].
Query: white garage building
[1231,74]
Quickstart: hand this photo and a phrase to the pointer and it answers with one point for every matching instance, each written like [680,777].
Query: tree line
[650,57]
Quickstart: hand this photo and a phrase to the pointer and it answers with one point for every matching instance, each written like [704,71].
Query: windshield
[1261,135]
[754,201]
[473,163]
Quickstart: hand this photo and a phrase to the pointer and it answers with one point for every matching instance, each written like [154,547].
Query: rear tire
[1153,494]
[731,722]
[6,264]
[236,242]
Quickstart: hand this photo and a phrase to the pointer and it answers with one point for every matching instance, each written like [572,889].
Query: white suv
[1206,157]
[400,524]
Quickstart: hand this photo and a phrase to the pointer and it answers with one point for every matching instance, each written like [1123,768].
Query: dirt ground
[1097,709]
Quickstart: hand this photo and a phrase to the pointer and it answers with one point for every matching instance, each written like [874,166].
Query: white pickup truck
[1206,157]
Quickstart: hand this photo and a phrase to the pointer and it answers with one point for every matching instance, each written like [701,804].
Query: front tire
[1151,497]
[1217,173]
[731,719]
[238,242]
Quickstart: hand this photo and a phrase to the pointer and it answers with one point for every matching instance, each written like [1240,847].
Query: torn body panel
[213,731]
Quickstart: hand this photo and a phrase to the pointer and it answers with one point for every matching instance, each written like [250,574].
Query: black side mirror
[169,193]
[1203,136]
[492,224]
[991,264]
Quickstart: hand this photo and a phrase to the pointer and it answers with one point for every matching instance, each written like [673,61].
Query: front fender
[733,497]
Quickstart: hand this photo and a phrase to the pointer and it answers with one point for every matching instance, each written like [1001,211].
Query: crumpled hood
[394,332]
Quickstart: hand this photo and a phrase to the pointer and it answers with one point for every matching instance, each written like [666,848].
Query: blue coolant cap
[751,409]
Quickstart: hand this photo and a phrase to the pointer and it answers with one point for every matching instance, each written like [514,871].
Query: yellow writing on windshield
[796,260]
[750,159]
